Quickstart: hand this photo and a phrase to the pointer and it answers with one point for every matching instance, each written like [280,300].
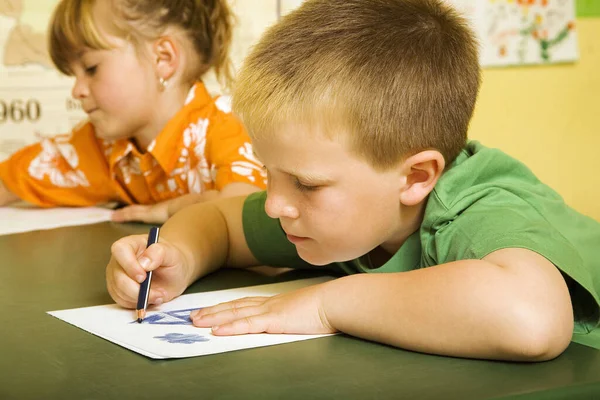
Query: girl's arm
[160,212]
[6,196]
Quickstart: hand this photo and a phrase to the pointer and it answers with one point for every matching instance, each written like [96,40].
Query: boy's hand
[128,265]
[298,312]
[150,214]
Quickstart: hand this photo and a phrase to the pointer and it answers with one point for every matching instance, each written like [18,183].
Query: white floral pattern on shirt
[223,103]
[194,140]
[129,166]
[246,168]
[46,163]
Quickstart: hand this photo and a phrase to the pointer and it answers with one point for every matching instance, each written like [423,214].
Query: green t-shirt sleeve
[502,220]
[265,237]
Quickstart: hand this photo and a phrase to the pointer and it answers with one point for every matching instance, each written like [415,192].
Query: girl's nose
[80,89]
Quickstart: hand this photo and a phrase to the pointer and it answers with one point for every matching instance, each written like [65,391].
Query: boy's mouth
[295,239]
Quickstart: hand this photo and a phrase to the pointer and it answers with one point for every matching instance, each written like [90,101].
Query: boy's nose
[276,206]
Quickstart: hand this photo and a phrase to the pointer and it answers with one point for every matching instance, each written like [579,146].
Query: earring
[163,83]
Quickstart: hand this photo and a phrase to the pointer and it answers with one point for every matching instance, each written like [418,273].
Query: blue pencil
[142,302]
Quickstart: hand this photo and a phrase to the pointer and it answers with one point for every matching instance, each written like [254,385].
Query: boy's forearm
[181,202]
[469,308]
[6,196]
[210,235]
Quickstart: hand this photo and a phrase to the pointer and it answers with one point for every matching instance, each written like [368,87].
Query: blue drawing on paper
[182,338]
[174,317]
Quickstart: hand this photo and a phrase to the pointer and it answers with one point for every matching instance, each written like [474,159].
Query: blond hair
[205,24]
[400,76]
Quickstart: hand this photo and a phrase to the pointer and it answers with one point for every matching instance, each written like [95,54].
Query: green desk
[42,357]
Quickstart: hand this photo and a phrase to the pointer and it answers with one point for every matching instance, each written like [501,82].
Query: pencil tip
[139,320]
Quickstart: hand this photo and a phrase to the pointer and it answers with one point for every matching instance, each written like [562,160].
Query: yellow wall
[549,118]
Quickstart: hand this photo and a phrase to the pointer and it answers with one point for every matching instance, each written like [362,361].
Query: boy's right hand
[131,260]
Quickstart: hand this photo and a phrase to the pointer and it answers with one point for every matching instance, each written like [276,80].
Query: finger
[126,289]
[126,252]
[130,213]
[160,254]
[261,323]
[120,300]
[236,304]
[117,294]
[226,316]
[126,292]
[157,296]
[112,290]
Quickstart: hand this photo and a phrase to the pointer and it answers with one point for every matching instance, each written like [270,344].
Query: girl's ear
[422,172]
[168,58]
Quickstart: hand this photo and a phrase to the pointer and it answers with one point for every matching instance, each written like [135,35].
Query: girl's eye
[304,188]
[91,70]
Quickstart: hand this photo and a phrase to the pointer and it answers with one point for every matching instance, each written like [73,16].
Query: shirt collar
[163,147]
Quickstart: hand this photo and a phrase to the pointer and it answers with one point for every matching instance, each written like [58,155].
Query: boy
[359,111]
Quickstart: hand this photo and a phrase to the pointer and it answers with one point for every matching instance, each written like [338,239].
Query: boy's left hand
[298,312]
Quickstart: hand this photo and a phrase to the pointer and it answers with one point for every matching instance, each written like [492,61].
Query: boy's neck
[411,219]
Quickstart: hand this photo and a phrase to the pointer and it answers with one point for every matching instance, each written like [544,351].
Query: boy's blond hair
[205,25]
[400,76]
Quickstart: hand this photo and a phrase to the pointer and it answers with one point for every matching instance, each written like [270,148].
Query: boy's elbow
[540,337]
[543,347]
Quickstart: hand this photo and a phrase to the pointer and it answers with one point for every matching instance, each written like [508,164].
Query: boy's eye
[304,188]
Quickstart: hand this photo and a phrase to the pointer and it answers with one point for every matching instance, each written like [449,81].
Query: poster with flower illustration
[521,32]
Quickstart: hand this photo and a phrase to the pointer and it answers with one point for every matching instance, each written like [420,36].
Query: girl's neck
[168,103]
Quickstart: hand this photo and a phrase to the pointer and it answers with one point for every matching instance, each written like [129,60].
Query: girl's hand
[6,196]
[150,214]
[128,265]
[298,312]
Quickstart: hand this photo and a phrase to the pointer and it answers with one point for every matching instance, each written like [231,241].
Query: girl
[155,138]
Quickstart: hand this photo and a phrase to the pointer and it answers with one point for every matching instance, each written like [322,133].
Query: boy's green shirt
[485,201]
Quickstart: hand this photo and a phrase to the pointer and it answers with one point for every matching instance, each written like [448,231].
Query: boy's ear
[421,172]
[167,56]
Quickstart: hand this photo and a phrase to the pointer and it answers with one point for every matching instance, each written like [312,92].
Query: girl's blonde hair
[205,24]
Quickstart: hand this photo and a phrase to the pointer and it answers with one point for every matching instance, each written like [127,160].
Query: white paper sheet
[167,331]
[16,220]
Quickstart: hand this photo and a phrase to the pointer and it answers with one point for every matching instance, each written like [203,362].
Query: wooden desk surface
[42,357]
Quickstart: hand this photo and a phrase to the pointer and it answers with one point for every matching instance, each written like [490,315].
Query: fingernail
[140,278]
[158,301]
[214,328]
[144,262]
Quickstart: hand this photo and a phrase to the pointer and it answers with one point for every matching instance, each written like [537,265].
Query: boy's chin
[318,261]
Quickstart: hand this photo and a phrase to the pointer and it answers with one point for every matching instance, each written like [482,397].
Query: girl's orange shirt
[204,146]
